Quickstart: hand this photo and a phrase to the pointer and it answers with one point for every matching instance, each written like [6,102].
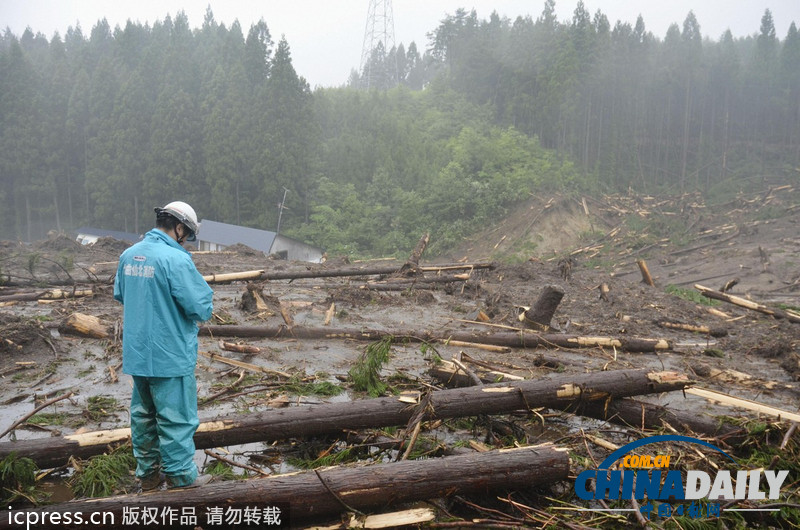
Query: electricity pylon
[378,69]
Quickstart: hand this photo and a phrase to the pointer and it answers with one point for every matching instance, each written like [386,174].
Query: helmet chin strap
[178,238]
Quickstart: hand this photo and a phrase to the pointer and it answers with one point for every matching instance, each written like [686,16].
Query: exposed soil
[577,244]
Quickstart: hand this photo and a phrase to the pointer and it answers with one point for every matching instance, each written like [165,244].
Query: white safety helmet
[183,213]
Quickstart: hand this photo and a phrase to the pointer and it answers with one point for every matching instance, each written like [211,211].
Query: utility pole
[378,70]
[280,212]
[280,215]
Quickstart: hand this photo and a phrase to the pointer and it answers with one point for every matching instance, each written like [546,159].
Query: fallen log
[417,283]
[332,418]
[451,375]
[642,415]
[241,364]
[53,294]
[364,271]
[312,495]
[622,411]
[732,401]
[85,326]
[714,332]
[791,316]
[410,282]
[233,276]
[238,347]
[520,339]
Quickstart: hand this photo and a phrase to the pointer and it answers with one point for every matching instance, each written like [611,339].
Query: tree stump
[541,314]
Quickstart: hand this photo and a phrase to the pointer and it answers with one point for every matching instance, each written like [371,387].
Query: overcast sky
[326,36]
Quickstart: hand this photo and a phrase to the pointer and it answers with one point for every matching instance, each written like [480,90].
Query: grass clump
[48,418]
[691,295]
[103,474]
[303,388]
[346,455]
[18,479]
[98,407]
[221,470]
[366,374]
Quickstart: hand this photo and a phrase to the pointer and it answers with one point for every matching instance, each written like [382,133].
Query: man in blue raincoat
[163,297]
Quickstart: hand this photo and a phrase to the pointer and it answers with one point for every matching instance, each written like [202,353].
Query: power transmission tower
[378,69]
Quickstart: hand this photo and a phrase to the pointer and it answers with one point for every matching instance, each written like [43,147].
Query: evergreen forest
[98,127]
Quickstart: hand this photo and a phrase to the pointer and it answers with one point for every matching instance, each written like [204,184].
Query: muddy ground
[575,243]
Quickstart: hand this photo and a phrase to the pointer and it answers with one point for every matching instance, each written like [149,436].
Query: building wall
[296,251]
[209,246]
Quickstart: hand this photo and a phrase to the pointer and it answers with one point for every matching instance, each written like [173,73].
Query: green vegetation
[104,474]
[304,388]
[366,373]
[102,122]
[222,471]
[98,407]
[18,479]
[48,418]
[691,295]
[346,455]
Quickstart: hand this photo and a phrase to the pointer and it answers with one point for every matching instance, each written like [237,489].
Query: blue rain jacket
[163,296]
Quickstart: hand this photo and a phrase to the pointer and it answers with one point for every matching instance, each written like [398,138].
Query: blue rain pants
[163,422]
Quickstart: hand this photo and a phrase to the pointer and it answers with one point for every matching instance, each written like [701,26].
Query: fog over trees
[98,128]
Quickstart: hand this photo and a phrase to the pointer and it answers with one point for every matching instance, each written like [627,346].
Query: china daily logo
[649,476]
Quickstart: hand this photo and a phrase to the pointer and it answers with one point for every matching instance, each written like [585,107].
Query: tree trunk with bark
[325,493]
[539,316]
[622,411]
[519,339]
[85,326]
[411,267]
[332,418]
[791,316]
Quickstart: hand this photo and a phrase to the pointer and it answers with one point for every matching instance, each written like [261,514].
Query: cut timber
[540,315]
[731,401]
[415,516]
[233,276]
[558,391]
[364,271]
[622,411]
[642,415]
[418,283]
[519,339]
[312,495]
[646,278]
[332,273]
[238,347]
[450,374]
[714,332]
[85,326]
[486,347]
[741,302]
[54,294]
[329,314]
[242,364]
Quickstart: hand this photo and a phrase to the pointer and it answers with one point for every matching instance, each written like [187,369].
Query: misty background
[97,126]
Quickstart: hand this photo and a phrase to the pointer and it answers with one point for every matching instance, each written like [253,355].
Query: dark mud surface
[565,242]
